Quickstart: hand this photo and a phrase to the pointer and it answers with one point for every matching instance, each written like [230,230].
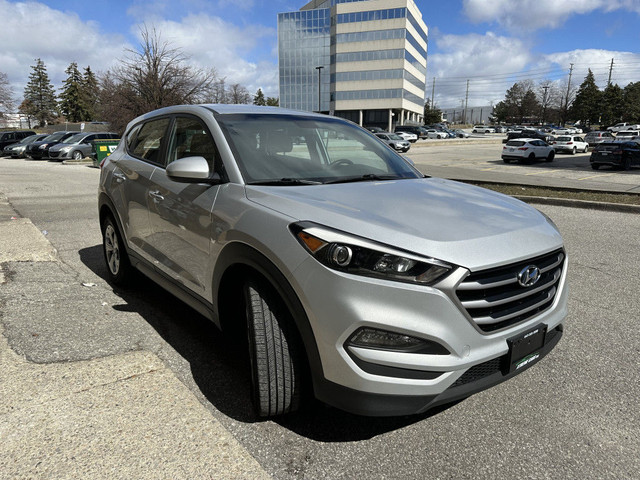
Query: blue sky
[493,43]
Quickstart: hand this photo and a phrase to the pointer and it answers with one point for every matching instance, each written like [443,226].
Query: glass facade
[307,38]
[303,45]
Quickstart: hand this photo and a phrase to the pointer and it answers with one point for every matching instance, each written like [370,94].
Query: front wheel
[551,156]
[275,372]
[626,163]
[77,155]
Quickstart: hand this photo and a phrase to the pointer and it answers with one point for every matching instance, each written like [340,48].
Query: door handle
[157,197]
[120,177]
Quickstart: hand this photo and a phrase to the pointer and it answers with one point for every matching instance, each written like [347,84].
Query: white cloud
[37,31]
[214,43]
[485,60]
[530,15]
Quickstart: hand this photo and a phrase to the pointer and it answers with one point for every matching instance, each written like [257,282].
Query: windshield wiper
[363,178]
[286,181]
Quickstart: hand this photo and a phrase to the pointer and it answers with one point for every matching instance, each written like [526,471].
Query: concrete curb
[587,204]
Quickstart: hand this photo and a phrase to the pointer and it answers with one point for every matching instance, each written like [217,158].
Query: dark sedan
[530,133]
[39,150]
[16,150]
[619,154]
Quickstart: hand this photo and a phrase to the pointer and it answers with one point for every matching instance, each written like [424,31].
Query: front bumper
[383,382]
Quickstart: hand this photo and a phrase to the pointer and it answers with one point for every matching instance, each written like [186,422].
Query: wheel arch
[236,263]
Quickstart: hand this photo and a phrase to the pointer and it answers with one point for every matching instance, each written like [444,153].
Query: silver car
[78,146]
[352,275]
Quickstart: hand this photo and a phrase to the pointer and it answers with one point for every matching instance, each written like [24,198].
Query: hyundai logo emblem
[529,276]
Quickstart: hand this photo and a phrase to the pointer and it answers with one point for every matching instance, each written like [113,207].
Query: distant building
[364,60]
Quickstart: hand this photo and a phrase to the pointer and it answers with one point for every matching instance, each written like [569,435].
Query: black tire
[551,156]
[586,149]
[595,166]
[626,163]
[273,347]
[119,269]
[573,151]
[506,160]
[530,159]
[77,155]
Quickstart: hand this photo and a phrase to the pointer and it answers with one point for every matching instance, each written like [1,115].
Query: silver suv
[354,276]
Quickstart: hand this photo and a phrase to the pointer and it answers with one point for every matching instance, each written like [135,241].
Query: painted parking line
[541,173]
[597,176]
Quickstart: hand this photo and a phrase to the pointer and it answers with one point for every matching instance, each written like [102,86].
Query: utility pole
[433,89]
[544,103]
[610,70]
[466,103]
[566,102]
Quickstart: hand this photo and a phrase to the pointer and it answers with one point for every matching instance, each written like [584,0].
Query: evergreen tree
[71,95]
[41,95]
[586,106]
[631,96]
[431,115]
[519,103]
[611,105]
[273,101]
[258,98]
[89,94]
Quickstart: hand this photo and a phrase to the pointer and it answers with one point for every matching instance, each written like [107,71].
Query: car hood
[458,223]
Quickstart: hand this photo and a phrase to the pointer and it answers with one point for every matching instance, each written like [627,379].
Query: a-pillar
[361,118]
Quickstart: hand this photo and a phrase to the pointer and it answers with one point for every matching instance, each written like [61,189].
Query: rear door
[180,214]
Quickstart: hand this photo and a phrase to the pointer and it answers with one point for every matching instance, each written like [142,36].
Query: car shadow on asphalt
[220,368]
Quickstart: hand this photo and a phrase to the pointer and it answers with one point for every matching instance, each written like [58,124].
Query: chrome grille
[495,300]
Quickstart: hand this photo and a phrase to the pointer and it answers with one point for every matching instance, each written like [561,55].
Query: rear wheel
[573,151]
[506,160]
[273,347]
[530,159]
[551,156]
[595,166]
[119,268]
[626,163]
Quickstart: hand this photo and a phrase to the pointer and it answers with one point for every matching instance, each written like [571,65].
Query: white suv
[351,274]
[527,150]
[571,144]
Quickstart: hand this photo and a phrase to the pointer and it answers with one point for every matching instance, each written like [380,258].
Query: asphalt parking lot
[180,407]
[473,159]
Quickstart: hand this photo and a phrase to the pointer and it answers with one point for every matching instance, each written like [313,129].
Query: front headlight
[43,146]
[358,256]
[65,149]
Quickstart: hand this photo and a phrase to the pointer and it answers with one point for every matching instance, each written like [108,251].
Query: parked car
[421,133]
[16,150]
[618,127]
[593,138]
[78,146]
[13,136]
[350,274]
[483,129]
[461,133]
[528,133]
[431,133]
[527,150]
[394,140]
[570,143]
[375,129]
[561,131]
[499,128]
[616,153]
[409,137]
[628,135]
[40,150]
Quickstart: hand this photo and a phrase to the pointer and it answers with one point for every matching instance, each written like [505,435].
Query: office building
[364,60]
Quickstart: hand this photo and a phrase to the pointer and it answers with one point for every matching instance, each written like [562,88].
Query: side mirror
[192,170]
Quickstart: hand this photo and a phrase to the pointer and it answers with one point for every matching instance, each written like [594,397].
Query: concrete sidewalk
[121,416]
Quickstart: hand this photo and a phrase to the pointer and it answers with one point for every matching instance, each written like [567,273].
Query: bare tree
[6,95]
[239,94]
[153,76]
[217,93]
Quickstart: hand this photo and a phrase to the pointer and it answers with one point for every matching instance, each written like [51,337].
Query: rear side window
[148,141]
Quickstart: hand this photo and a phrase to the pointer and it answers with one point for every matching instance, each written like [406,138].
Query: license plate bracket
[524,349]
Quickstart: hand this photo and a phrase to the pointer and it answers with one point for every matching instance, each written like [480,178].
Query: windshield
[293,149]
[54,137]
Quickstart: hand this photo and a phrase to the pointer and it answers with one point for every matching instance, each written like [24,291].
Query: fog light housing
[374,338]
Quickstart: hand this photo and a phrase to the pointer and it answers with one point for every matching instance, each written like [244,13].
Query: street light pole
[319,68]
